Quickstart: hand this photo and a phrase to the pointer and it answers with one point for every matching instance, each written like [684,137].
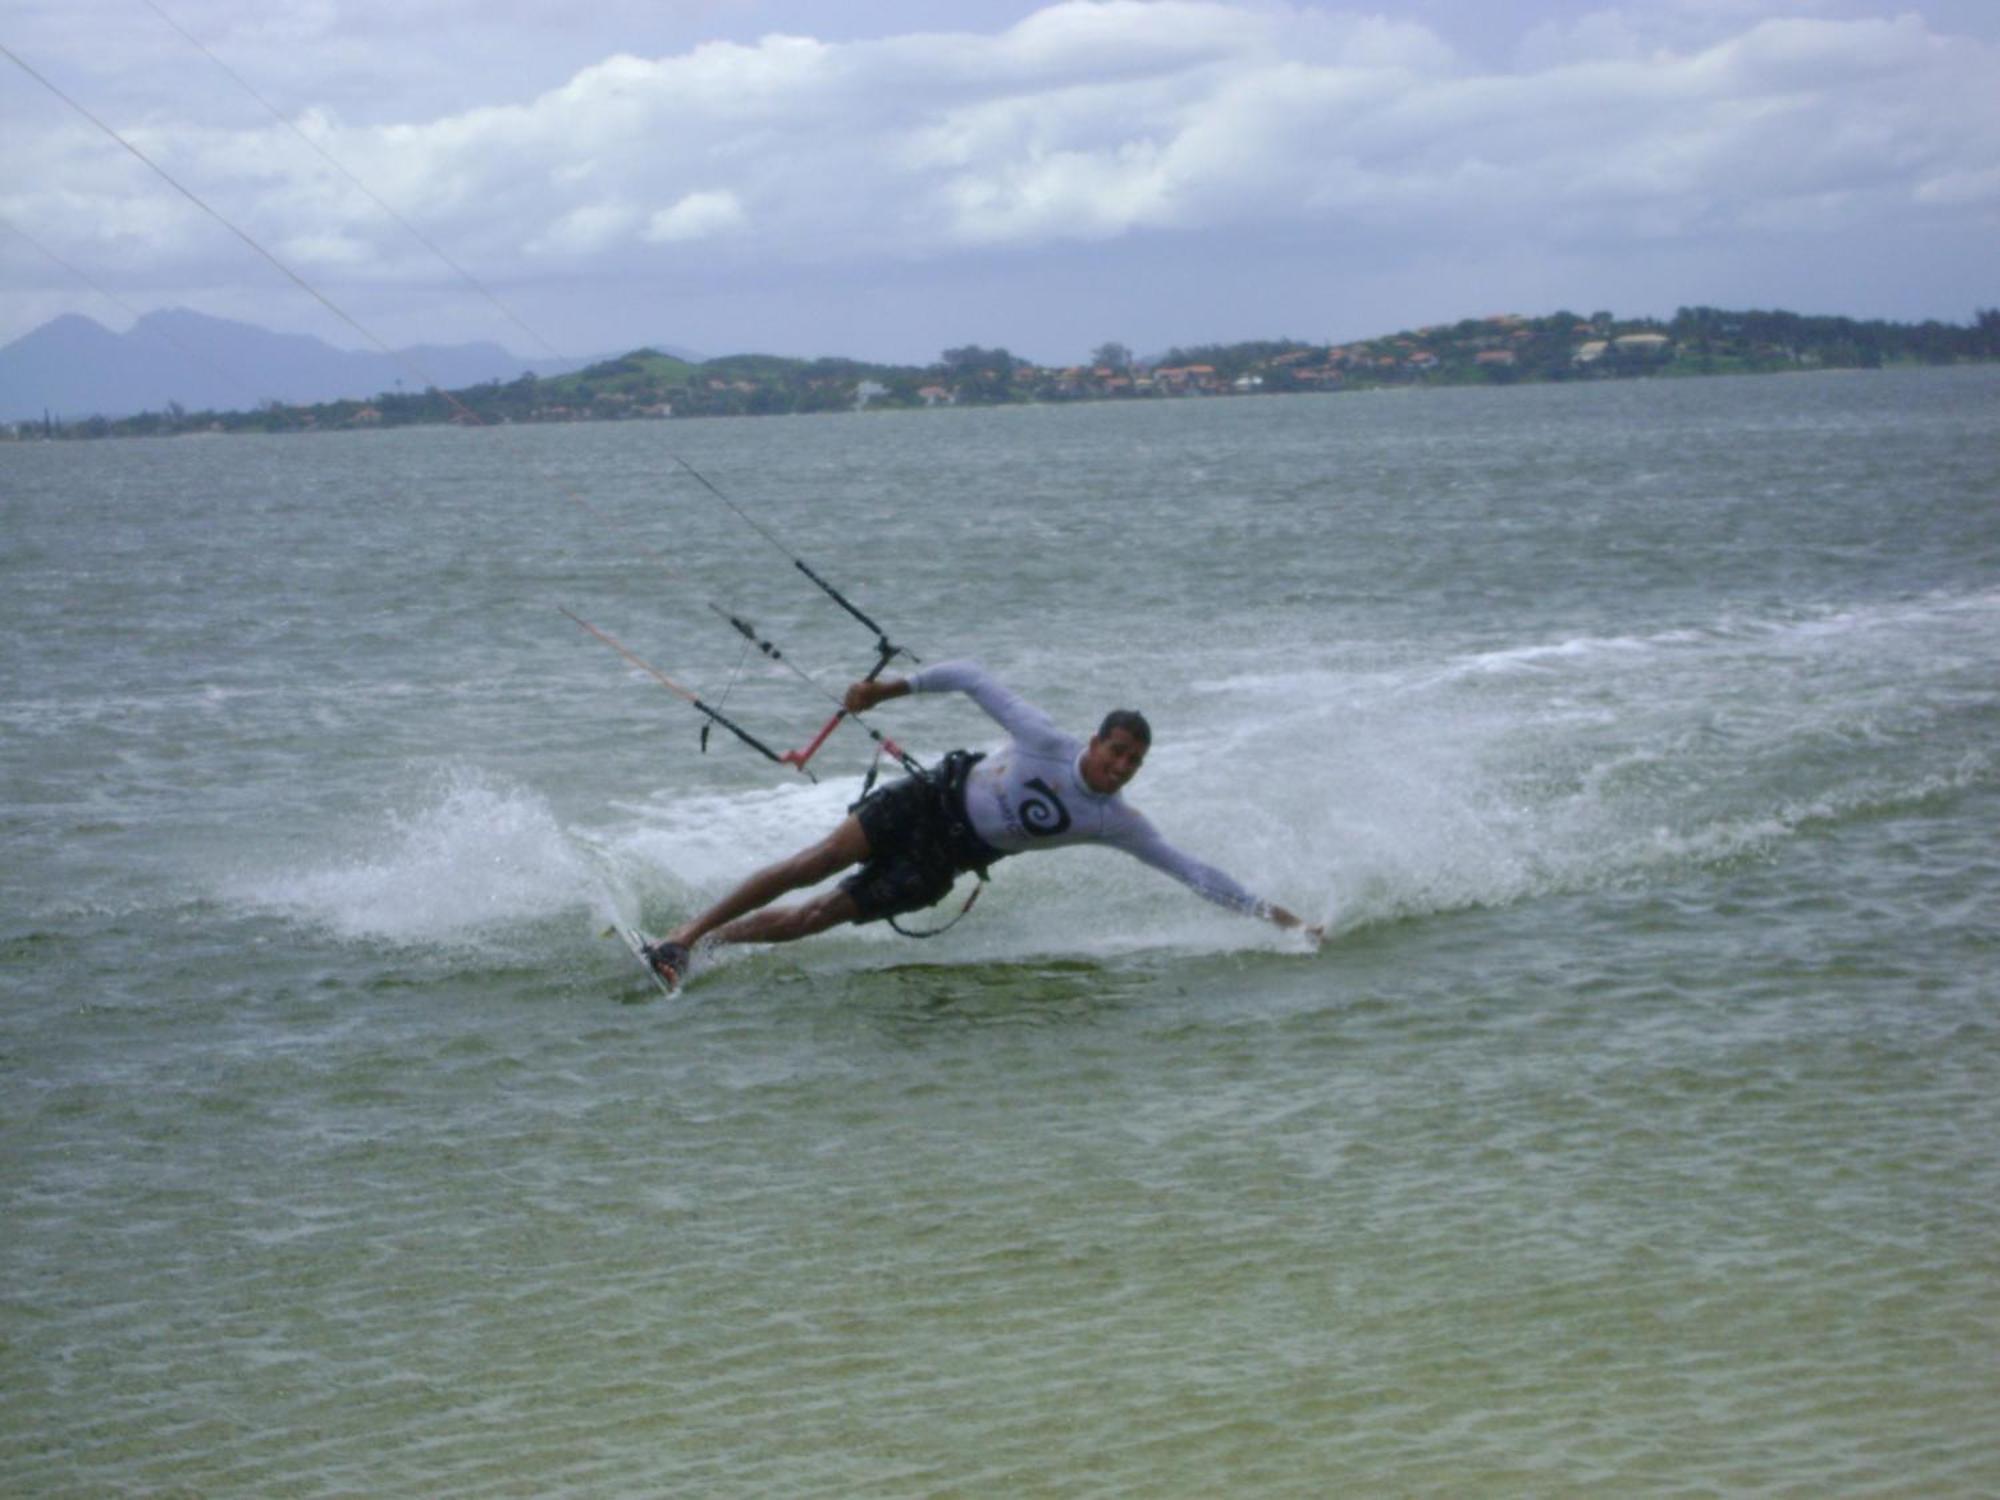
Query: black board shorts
[911,860]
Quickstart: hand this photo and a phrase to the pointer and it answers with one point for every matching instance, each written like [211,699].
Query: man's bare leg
[787,924]
[846,845]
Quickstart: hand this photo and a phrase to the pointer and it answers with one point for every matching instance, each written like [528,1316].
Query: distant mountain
[74,368]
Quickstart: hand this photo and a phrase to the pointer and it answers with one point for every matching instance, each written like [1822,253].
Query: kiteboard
[638,942]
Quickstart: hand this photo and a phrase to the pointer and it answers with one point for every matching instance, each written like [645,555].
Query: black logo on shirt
[1044,819]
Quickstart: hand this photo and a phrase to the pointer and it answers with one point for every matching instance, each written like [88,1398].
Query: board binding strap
[647,951]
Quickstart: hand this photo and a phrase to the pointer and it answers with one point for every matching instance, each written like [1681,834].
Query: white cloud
[1970,187]
[585,230]
[324,251]
[698,216]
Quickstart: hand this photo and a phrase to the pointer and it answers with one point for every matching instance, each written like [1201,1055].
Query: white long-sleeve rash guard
[1032,794]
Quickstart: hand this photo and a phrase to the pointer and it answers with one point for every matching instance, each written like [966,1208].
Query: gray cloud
[1080,124]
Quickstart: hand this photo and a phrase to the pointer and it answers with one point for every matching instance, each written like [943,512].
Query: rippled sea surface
[1636,1132]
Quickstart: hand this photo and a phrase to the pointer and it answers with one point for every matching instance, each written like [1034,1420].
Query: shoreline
[243,424]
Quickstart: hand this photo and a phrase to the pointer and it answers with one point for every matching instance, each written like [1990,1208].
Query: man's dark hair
[1131,721]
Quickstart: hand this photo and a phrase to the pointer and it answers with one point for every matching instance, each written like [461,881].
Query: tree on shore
[978,374]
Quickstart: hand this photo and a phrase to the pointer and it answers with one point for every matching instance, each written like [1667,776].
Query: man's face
[1111,760]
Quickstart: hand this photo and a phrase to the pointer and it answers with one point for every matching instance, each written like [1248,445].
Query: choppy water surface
[1635,1133]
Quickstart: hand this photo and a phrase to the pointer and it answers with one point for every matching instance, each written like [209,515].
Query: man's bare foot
[669,960]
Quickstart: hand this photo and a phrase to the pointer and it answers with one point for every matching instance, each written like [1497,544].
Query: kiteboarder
[913,838]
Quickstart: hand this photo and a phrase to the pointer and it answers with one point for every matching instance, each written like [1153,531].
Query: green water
[1633,1134]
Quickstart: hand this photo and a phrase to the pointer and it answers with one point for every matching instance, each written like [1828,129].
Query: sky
[885,179]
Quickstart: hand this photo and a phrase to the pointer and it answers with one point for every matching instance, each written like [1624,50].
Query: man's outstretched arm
[1022,720]
[1142,841]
